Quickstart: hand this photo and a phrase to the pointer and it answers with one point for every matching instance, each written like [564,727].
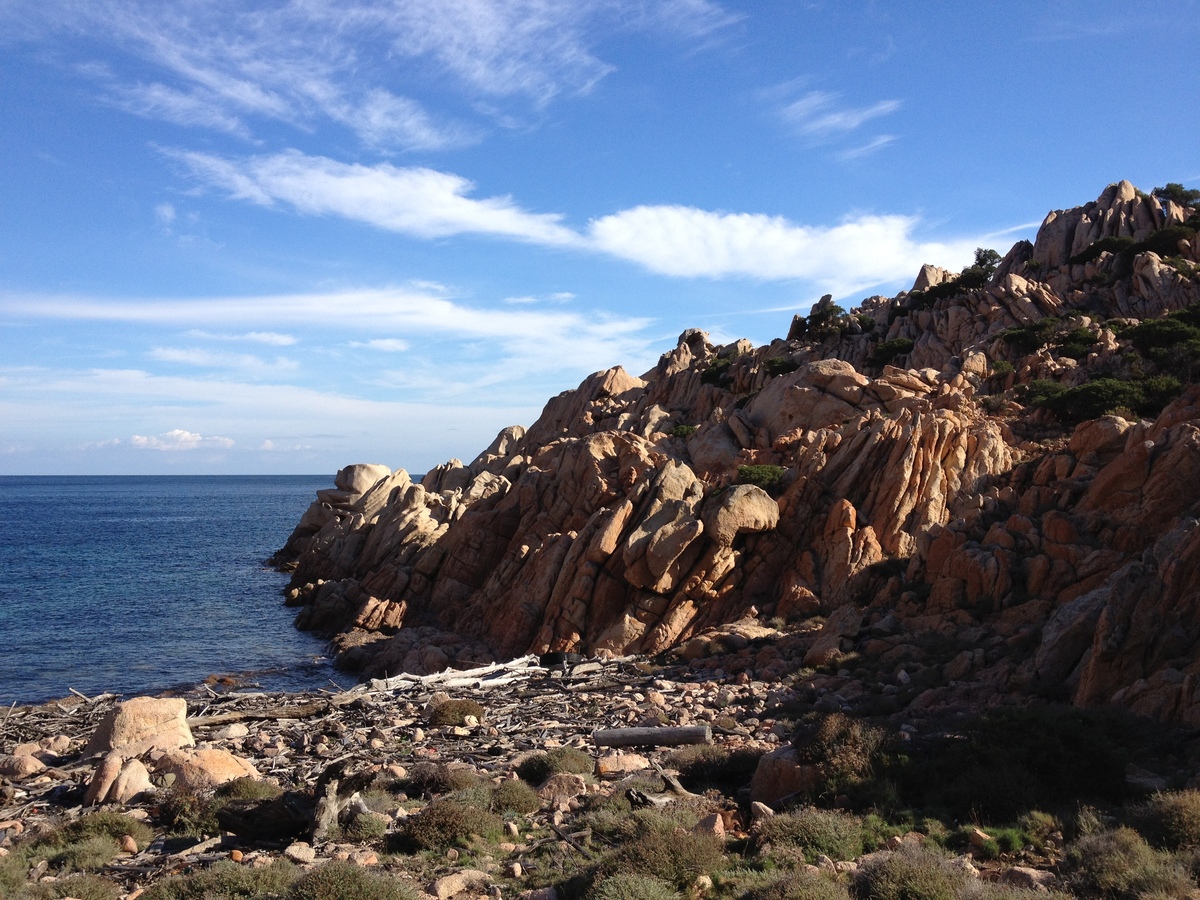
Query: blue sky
[283,237]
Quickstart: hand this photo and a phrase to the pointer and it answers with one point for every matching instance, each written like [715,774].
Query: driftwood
[300,711]
[652,737]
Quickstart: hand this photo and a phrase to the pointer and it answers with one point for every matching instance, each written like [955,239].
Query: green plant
[1032,335]
[185,813]
[364,828]
[910,873]
[346,881]
[798,886]
[656,845]
[1001,368]
[86,854]
[1076,343]
[887,351]
[538,767]
[765,477]
[515,796]
[1120,864]
[1170,820]
[843,749]
[1177,193]
[705,766]
[110,824]
[716,372]
[446,823]
[455,712]
[682,431]
[632,886]
[227,880]
[76,887]
[247,788]
[833,833]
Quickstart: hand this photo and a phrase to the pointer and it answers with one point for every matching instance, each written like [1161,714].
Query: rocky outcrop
[814,477]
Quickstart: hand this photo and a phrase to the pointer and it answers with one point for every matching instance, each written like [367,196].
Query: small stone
[236,855]
[978,838]
[418,735]
[452,854]
[458,883]
[365,858]
[760,812]
[230,732]
[703,884]
[546,893]
[562,787]
[514,870]
[511,829]
[128,844]
[617,765]
[20,766]
[713,824]
[300,852]
[135,893]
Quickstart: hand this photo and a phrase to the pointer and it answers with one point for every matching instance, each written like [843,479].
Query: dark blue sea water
[140,584]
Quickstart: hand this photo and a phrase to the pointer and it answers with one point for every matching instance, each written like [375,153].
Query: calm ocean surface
[139,584]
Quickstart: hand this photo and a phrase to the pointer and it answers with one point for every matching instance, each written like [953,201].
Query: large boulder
[142,724]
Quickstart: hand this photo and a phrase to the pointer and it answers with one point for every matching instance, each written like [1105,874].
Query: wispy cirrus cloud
[820,116]
[200,64]
[271,338]
[207,359]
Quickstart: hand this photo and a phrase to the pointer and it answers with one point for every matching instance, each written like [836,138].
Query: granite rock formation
[897,469]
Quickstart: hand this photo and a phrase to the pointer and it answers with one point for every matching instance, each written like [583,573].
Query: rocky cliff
[988,483]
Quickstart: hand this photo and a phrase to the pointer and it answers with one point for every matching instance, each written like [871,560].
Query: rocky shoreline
[229,786]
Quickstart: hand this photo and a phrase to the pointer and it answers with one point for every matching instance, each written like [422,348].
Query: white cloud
[385,345]
[179,439]
[417,201]
[679,241]
[868,148]
[271,338]
[861,251]
[817,116]
[165,214]
[350,61]
[190,356]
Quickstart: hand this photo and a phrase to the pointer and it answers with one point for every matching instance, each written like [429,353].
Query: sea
[140,585]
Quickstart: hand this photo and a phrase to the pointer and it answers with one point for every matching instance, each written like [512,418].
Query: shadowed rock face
[918,494]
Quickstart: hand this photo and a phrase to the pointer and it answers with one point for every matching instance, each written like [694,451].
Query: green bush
[1029,337]
[1104,395]
[716,372]
[798,886]
[1161,333]
[831,832]
[1177,193]
[77,887]
[630,886]
[109,824]
[1170,820]
[1120,864]
[227,880]
[843,749]
[247,788]
[682,431]
[515,796]
[85,854]
[455,712]
[705,766]
[765,477]
[1115,245]
[779,365]
[188,814]
[911,873]
[1076,343]
[346,881]
[887,351]
[445,823]
[656,845]
[536,768]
